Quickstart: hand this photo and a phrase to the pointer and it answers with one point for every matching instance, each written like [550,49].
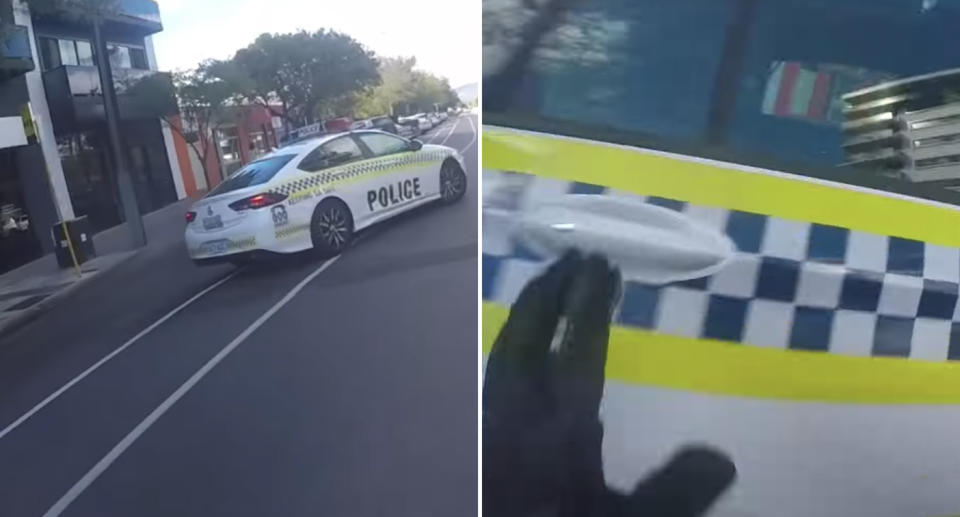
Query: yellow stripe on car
[647,358]
[721,185]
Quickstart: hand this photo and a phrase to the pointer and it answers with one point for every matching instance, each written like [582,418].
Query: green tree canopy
[307,72]
[403,90]
[204,99]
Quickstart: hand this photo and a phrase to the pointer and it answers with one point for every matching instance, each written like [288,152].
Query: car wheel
[453,182]
[331,227]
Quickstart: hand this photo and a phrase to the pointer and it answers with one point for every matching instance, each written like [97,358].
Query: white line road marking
[145,424]
[432,136]
[472,140]
[454,126]
[16,423]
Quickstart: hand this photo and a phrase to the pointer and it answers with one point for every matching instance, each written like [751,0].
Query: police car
[318,193]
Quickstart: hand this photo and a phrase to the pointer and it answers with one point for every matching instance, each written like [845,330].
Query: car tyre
[453,182]
[331,227]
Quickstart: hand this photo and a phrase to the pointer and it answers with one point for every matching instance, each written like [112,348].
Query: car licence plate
[216,247]
[212,223]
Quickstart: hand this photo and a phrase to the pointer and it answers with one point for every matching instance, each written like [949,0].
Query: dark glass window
[119,55]
[335,152]
[49,53]
[68,52]
[91,187]
[775,83]
[381,144]
[138,59]
[62,51]
[85,53]
[254,173]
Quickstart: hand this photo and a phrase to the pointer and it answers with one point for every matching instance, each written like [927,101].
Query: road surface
[340,388]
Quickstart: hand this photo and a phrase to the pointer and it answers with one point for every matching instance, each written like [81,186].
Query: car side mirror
[416,145]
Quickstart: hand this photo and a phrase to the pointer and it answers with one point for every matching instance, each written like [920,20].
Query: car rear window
[254,173]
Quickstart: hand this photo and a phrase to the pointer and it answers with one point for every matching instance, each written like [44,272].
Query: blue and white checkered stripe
[792,284]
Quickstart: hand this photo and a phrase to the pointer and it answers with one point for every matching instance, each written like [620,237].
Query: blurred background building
[907,129]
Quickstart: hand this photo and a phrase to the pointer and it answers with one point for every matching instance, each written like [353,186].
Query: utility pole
[128,196]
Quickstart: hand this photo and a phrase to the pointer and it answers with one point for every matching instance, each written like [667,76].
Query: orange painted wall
[183,158]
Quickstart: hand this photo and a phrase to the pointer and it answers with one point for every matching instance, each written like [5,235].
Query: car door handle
[648,243]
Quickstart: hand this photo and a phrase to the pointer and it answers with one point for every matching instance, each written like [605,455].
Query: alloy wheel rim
[333,228]
[451,183]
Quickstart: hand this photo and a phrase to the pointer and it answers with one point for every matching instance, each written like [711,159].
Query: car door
[805,353]
[334,168]
[403,179]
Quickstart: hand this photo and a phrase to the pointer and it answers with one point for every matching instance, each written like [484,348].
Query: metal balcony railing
[908,128]
[75,96]
[134,17]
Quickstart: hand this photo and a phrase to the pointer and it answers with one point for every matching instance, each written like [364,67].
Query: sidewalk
[29,290]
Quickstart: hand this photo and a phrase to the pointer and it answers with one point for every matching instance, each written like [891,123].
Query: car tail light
[191,217]
[258,201]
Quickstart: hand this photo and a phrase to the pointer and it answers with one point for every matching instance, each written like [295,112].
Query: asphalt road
[299,387]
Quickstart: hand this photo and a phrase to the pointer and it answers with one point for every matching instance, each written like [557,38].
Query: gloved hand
[541,431]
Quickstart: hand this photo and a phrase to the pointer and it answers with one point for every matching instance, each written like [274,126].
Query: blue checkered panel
[791,285]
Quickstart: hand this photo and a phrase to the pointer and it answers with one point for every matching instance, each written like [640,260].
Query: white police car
[317,193]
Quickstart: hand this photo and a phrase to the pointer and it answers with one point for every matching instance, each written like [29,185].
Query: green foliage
[153,92]
[307,72]
[205,96]
[205,92]
[404,91]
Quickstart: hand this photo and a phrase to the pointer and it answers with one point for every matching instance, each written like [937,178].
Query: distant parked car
[408,127]
[408,131]
[337,125]
[425,123]
[383,124]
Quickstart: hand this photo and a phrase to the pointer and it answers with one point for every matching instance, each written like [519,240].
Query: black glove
[541,431]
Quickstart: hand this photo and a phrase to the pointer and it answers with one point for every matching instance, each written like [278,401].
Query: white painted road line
[164,406]
[433,137]
[472,140]
[456,122]
[53,396]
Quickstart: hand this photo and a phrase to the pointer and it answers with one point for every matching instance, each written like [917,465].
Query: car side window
[335,152]
[382,145]
[774,84]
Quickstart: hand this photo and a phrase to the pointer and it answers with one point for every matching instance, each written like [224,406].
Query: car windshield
[255,173]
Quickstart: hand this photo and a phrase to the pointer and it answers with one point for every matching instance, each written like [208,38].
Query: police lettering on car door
[393,194]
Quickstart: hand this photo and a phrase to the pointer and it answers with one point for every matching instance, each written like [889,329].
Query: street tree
[204,99]
[306,73]
[404,90]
